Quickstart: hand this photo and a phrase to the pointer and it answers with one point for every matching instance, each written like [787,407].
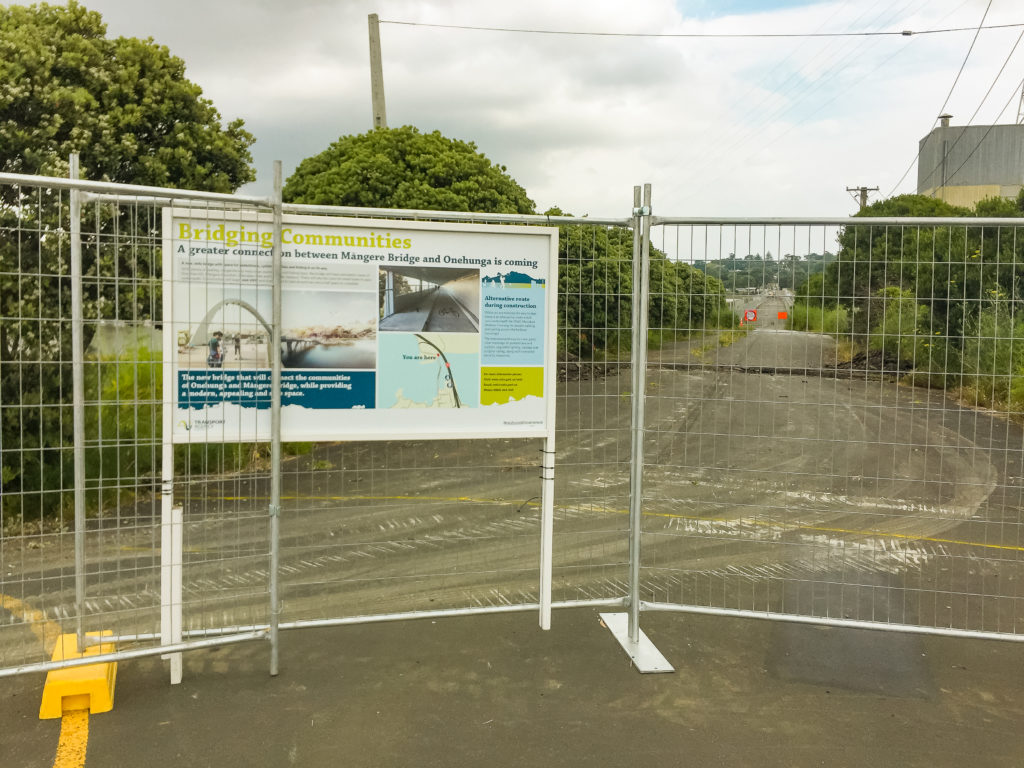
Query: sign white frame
[214,242]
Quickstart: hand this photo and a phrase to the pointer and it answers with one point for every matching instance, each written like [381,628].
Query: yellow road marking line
[747,521]
[74,726]
[310,497]
[74,740]
[47,631]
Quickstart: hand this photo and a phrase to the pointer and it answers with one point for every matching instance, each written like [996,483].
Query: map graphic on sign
[429,370]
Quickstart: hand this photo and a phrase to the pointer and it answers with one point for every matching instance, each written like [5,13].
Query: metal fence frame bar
[78,396]
[837,221]
[616,602]
[129,190]
[638,362]
[275,425]
[137,653]
[114,192]
[736,613]
[171,516]
[233,635]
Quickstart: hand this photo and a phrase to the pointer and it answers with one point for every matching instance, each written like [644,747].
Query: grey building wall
[972,157]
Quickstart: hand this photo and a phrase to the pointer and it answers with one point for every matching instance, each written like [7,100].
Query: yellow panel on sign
[503,385]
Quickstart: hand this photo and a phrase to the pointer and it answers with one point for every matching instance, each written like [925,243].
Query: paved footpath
[497,691]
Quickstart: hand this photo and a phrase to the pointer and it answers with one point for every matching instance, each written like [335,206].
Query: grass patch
[846,348]
[728,338]
[812,318]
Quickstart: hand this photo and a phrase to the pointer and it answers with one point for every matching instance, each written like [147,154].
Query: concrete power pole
[863,194]
[380,117]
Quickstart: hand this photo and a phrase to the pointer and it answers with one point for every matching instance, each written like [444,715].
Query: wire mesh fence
[594,410]
[853,450]
[103,574]
[372,529]
[368,529]
[832,432]
[119,441]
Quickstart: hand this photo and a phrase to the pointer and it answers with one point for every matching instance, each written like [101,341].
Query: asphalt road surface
[771,483]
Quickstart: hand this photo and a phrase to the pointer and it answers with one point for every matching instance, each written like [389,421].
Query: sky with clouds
[768,126]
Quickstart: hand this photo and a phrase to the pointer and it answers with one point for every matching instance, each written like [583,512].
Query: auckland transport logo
[200,424]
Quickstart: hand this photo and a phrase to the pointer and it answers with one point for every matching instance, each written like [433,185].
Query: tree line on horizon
[754,271]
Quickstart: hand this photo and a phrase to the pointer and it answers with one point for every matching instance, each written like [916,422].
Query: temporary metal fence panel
[405,528]
[366,530]
[843,444]
[81,443]
[829,417]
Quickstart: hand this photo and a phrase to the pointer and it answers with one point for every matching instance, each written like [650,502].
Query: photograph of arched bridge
[320,329]
[237,327]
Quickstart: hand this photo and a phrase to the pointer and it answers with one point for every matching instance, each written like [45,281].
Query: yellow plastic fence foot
[87,687]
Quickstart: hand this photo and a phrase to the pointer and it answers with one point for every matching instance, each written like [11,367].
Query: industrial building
[964,164]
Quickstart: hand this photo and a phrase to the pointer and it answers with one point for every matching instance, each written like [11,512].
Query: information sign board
[390,329]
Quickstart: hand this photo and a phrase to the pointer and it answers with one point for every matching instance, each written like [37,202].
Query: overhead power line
[917,157]
[521,30]
[949,150]
[838,57]
[981,141]
[837,94]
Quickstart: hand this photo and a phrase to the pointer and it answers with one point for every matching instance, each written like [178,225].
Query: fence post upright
[275,423]
[171,516]
[641,299]
[625,627]
[78,396]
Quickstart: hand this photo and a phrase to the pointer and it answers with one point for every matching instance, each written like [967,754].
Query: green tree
[403,168]
[948,298]
[123,104]
[949,269]
[596,293]
[126,107]
[993,356]
[899,323]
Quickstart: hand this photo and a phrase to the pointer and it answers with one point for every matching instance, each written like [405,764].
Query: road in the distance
[798,492]
[848,497]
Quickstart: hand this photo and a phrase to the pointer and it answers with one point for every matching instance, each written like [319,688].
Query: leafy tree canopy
[123,104]
[936,281]
[1000,207]
[912,205]
[403,168]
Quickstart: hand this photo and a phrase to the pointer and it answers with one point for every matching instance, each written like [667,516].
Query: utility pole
[863,194]
[380,118]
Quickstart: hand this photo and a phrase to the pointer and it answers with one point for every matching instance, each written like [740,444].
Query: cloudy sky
[765,126]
